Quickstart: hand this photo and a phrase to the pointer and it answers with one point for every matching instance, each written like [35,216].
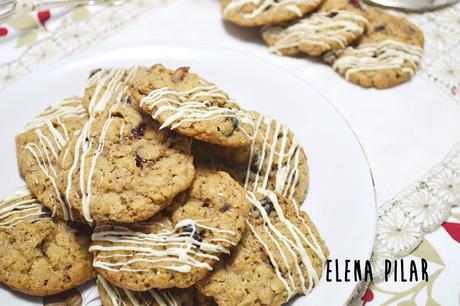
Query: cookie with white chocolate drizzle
[123,168]
[336,25]
[274,161]
[251,13]
[281,255]
[389,53]
[40,256]
[38,147]
[191,106]
[111,295]
[180,245]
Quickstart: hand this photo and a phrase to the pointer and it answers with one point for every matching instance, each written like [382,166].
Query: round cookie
[280,255]
[316,34]
[114,296]
[274,161]
[191,106]
[250,13]
[388,54]
[38,147]
[179,246]
[122,168]
[40,256]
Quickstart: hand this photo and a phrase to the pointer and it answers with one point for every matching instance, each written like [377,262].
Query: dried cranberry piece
[224,208]
[267,204]
[380,28]
[355,4]
[196,235]
[235,123]
[138,132]
[180,74]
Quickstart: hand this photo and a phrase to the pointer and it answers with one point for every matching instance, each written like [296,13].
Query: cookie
[113,296]
[316,34]
[123,168]
[179,246]
[274,161]
[280,255]
[388,54]
[40,256]
[191,106]
[251,13]
[38,147]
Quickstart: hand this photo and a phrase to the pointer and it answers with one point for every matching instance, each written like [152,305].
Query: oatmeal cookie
[38,147]
[280,255]
[263,12]
[40,256]
[179,246]
[191,106]
[388,54]
[123,168]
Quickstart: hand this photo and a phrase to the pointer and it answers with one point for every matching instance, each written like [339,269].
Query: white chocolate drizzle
[274,146]
[110,85]
[288,246]
[176,248]
[21,206]
[191,106]
[121,296]
[47,150]
[319,29]
[387,54]
[264,5]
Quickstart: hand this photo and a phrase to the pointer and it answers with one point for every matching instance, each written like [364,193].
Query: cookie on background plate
[180,245]
[274,161]
[251,13]
[123,168]
[388,54]
[38,147]
[316,34]
[114,296]
[280,255]
[191,106]
[40,256]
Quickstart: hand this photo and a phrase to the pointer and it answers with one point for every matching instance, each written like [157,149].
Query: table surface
[405,131]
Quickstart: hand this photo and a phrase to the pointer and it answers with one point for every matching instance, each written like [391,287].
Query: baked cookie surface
[317,33]
[263,12]
[280,255]
[191,106]
[114,296]
[106,87]
[179,246]
[274,161]
[38,147]
[123,168]
[38,255]
[388,54]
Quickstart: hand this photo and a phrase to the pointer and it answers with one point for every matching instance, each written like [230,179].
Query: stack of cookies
[366,45]
[163,188]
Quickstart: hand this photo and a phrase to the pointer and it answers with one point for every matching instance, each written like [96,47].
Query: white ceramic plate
[341,199]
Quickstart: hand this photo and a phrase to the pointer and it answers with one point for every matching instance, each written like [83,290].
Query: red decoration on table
[453,229]
[367,297]
[3,31]
[43,16]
